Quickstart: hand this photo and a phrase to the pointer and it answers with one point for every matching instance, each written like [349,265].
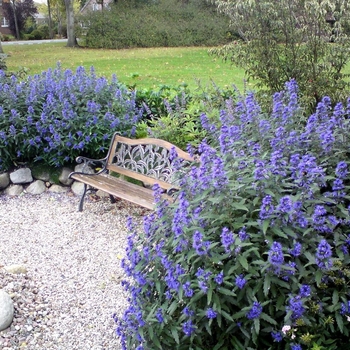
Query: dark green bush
[29,36]
[41,32]
[36,35]
[158,24]
[254,254]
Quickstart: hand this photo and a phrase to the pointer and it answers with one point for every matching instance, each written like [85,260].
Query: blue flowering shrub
[254,254]
[60,114]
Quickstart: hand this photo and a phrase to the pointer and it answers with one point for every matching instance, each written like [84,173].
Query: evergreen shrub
[154,24]
[254,254]
[60,114]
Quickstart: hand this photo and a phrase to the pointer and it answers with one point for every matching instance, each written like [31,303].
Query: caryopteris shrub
[60,114]
[254,254]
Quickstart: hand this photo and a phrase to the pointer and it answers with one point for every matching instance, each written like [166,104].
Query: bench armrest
[90,164]
[172,191]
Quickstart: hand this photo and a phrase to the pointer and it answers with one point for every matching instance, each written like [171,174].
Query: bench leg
[112,199]
[82,198]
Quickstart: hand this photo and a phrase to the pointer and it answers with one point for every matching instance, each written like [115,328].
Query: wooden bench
[148,161]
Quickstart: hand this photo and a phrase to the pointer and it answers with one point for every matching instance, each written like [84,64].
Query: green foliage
[3,65]
[173,114]
[254,253]
[283,39]
[178,127]
[7,37]
[154,24]
[41,32]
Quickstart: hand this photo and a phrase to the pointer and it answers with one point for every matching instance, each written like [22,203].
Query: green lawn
[146,68]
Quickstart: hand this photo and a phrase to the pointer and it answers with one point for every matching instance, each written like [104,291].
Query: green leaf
[237,345]
[207,327]
[239,314]
[158,286]
[243,261]
[156,342]
[209,295]
[240,206]
[226,292]
[226,315]
[318,277]
[151,313]
[267,318]
[265,226]
[150,330]
[267,284]
[310,257]
[173,307]
[340,322]
[335,297]
[216,302]
[280,302]
[175,334]
[257,325]
[218,346]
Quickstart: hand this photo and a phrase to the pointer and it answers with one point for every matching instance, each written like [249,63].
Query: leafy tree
[17,12]
[283,39]
[55,10]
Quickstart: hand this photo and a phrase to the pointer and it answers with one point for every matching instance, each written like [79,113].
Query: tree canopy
[17,12]
[283,39]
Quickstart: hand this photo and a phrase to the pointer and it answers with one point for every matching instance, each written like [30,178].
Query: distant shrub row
[161,24]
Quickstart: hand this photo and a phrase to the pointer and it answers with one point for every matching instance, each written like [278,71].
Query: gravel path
[72,287]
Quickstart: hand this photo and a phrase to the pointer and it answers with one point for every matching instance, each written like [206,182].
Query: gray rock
[36,187]
[43,176]
[63,178]
[16,269]
[58,189]
[77,188]
[86,169]
[21,176]
[102,193]
[4,180]
[13,190]
[6,310]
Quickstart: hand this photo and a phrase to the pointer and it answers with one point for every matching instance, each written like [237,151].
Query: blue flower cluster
[257,240]
[60,114]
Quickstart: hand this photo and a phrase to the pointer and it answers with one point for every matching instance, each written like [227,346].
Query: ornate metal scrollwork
[151,160]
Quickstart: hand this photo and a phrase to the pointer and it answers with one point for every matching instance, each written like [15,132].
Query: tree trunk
[50,19]
[1,49]
[72,40]
[15,17]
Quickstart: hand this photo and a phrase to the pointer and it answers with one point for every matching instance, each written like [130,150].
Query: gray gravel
[72,287]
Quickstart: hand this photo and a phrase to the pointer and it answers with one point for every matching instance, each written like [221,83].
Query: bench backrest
[147,160]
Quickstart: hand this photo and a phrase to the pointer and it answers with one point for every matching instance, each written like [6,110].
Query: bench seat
[120,188]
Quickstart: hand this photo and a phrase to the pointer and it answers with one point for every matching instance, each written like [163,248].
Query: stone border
[22,181]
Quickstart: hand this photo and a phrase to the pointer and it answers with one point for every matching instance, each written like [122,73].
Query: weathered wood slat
[145,179]
[121,189]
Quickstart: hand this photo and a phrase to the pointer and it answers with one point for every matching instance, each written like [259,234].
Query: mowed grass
[145,68]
